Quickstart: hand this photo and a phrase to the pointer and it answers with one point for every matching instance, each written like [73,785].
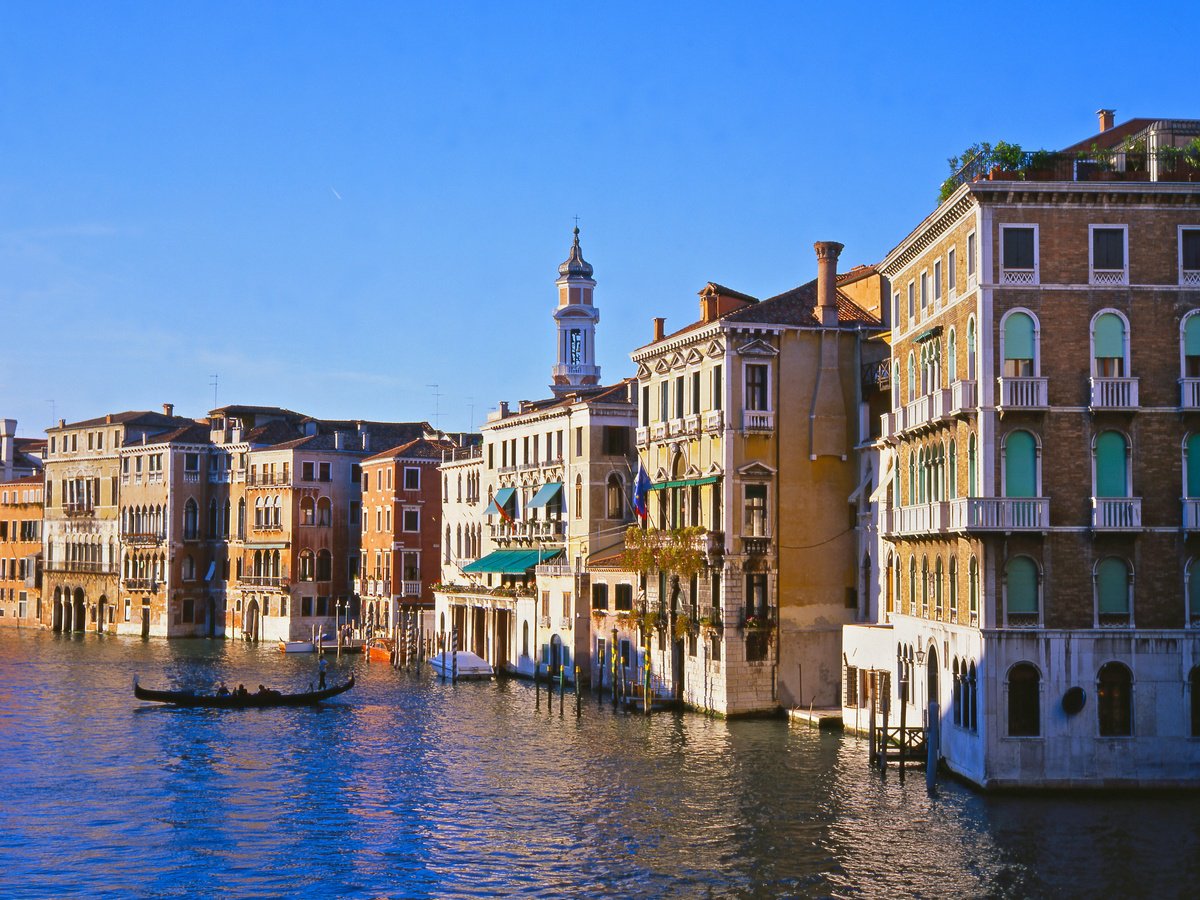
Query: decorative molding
[757,347]
[756,469]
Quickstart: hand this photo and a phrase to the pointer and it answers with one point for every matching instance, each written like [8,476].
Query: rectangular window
[191,462]
[1189,256]
[924,291]
[912,301]
[971,255]
[578,442]
[128,604]
[566,605]
[679,397]
[664,401]
[645,406]
[355,473]
[616,440]
[755,510]
[624,597]
[695,392]
[756,387]
[1018,247]
[412,478]
[895,309]
[717,391]
[1108,248]
[324,472]
[937,280]
[952,271]
[306,471]
[412,520]
[306,606]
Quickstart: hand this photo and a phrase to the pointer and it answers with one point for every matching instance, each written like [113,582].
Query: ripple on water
[411,788]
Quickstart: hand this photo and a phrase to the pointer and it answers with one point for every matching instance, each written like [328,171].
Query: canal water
[405,787]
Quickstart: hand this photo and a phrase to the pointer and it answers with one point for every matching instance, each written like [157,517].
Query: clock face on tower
[576,353]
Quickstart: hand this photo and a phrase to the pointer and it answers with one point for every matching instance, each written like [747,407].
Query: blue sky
[335,206]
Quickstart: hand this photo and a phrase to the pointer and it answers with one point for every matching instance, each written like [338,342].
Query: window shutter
[1022,586]
[1108,248]
[1112,586]
[1110,465]
[1109,337]
[1020,465]
[1191,336]
[1018,337]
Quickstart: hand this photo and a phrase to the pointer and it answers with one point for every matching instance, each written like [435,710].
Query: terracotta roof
[798,307]
[1110,138]
[130,417]
[26,479]
[269,433]
[615,562]
[421,448]
[236,409]
[728,292]
[195,433]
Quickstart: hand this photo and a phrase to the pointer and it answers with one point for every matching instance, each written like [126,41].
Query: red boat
[380,650]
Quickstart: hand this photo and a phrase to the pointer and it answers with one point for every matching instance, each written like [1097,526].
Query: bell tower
[576,319]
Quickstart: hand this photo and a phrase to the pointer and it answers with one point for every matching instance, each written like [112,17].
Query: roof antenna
[437,406]
[214,381]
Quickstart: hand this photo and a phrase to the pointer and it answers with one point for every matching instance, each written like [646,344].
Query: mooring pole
[454,656]
[578,694]
[932,737]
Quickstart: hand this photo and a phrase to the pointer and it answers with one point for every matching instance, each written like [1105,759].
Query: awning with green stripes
[545,494]
[685,482]
[502,499]
[510,562]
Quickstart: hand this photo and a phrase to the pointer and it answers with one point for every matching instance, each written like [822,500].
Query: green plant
[1009,157]
[651,620]
[676,550]
[684,625]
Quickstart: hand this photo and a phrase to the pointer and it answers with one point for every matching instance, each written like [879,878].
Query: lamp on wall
[920,654]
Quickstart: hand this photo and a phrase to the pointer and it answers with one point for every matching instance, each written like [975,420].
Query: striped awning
[501,499]
[509,562]
[545,494]
[685,482]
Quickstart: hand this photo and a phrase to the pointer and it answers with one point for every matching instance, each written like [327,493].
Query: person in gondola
[222,691]
[241,690]
[321,667]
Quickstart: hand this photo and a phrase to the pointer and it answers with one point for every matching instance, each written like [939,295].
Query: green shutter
[1018,337]
[1020,465]
[1194,589]
[1110,465]
[952,356]
[1110,337]
[1022,585]
[1112,585]
[1193,465]
[1191,337]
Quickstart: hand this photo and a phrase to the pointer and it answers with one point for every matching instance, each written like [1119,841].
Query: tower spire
[575,320]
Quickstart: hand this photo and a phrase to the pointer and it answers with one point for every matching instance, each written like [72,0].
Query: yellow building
[750,420]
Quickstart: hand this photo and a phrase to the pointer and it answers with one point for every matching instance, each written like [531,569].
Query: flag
[641,492]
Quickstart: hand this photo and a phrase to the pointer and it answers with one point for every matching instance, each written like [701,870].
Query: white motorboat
[296,647]
[469,665]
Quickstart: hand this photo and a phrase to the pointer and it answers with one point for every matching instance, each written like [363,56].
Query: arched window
[896,395]
[972,699]
[912,477]
[615,494]
[922,476]
[972,467]
[952,356]
[971,349]
[925,586]
[953,589]
[308,511]
[912,586]
[1020,465]
[324,511]
[258,513]
[957,694]
[1190,348]
[524,637]
[275,573]
[1192,589]
[1110,346]
[241,519]
[578,496]
[214,521]
[258,563]
[1020,346]
[952,480]
[912,377]
[324,565]
[938,580]
[1021,606]
[1112,465]
[191,520]
[1024,701]
[1113,589]
[188,568]
[306,566]
[1114,700]
[1191,462]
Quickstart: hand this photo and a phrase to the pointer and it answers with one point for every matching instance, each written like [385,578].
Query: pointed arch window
[971,349]
[972,467]
[973,590]
[1190,348]
[1024,701]
[953,589]
[912,586]
[578,496]
[191,520]
[1114,700]
[952,356]
[952,479]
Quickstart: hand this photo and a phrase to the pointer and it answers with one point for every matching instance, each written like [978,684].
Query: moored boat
[235,700]
[296,647]
[329,644]
[468,664]
[380,649]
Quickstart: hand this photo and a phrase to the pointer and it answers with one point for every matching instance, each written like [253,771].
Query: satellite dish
[1073,700]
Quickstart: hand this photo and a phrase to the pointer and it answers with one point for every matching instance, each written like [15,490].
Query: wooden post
[454,656]
[578,694]
[537,687]
[562,685]
[873,752]
[932,739]
[903,723]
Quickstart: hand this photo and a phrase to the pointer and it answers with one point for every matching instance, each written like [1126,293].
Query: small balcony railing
[927,410]
[1191,514]
[1189,393]
[756,545]
[757,420]
[921,518]
[714,420]
[643,435]
[1116,513]
[962,397]
[1190,277]
[1109,277]
[267,480]
[891,424]
[140,584]
[75,510]
[261,580]
[191,477]
[218,476]
[268,526]
[675,427]
[411,588]
[658,431]
[92,568]
[1000,514]
[1114,393]
[1026,392]
[691,424]
[1019,277]
[139,538]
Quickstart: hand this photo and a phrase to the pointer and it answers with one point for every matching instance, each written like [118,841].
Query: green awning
[686,482]
[502,498]
[545,494]
[510,562]
[928,334]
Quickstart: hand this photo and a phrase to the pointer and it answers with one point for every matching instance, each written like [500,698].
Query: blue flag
[641,492]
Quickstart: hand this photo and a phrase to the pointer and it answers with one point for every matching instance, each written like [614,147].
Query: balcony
[262,581]
[892,424]
[267,526]
[154,478]
[1189,393]
[962,398]
[544,622]
[410,588]
[923,518]
[1026,392]
[1116,513]
[218,476]
[1189,278]
[140,584]
[714,420]
[1191,514]
[260,479]
[711,543]
[643,435]
[658,431]
[565,624]
[691,424]
[91,568]
[1109,277]
[758,421]
[926,411]
[756,545]
[143,538]
[1019,277]
[554,570]
[191,477]
[78,509]
[1000,514]
[675,428]
[1114,393]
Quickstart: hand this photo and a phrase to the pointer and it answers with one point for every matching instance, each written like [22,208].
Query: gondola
[244,701]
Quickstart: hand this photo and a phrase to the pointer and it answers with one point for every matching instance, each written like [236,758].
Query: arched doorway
[250,621]
[555,654]
[56,614]
[78,620]
[211,608]
[931,675]
[101,614]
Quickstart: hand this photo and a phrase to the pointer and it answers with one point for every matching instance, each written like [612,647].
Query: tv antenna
[213,383]
[437,406]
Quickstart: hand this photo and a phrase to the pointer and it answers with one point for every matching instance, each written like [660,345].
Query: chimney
[366,438]
[827,257]
[8,446]
[1106,118]
[168,409]
[339,440]
[660,328]
[503,409]
[107,420]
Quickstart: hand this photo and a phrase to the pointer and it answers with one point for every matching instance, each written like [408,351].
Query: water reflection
[407,787]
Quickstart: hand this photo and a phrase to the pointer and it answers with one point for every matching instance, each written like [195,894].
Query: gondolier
[321,667]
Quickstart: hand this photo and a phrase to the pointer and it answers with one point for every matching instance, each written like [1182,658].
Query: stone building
[21,551]
[751,418]
[401,525]
[1040,596]
[81,541]
[547,492]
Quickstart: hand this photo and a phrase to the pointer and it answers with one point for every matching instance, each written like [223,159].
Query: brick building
[1038,558]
